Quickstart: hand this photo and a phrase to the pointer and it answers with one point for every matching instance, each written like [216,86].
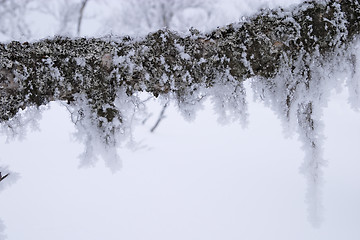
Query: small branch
[3,177]
[81,13]
[161,117]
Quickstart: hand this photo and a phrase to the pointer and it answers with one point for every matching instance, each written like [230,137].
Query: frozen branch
[33,74]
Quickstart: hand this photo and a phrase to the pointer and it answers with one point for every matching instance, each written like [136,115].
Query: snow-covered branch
[164,61]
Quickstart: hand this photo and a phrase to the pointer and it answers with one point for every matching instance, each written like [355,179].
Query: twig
[3,177]
[81,13]
[161,117]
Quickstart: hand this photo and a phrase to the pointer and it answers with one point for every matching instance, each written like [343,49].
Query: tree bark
[33,74]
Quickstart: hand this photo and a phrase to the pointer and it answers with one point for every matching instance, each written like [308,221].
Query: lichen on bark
[33,74]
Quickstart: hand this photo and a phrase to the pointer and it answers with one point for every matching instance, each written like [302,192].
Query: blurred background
[35,19]
[185,180]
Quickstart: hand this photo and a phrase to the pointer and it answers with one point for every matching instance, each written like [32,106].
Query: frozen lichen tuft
[18,126]
[228,97]
[298,96]
[102,137]
[189,103]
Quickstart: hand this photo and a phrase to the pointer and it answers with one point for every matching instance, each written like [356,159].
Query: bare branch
[3,177]
[81,13]
[161,117]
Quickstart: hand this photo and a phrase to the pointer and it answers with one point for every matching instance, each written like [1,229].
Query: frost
[164,78]
[162,60]
[183,54]
[119,59]
[189,108]
[310,134]
[229,100]
[101,137]
[353,81]
[17,127]
[298,97]
[80,61]
[188,105]
[163,37]
[54,71]
[202,60]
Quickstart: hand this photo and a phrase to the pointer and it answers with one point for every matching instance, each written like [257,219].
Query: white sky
[197,180]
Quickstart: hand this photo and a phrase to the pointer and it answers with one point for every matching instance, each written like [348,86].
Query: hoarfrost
[229,100]
[353,81]
[189,105]
[101,137]
[80,61]
[182,52]
[54,71]
[18,126]
[298,96]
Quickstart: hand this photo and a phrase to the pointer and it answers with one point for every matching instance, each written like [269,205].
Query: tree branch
[81,13]
[164,62]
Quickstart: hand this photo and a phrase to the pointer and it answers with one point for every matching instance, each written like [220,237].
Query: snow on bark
[292,57]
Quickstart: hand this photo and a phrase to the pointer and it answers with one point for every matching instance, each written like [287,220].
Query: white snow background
[197,180]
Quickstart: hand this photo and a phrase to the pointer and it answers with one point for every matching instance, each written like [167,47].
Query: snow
[229,100]
[182,52]
[80,61]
